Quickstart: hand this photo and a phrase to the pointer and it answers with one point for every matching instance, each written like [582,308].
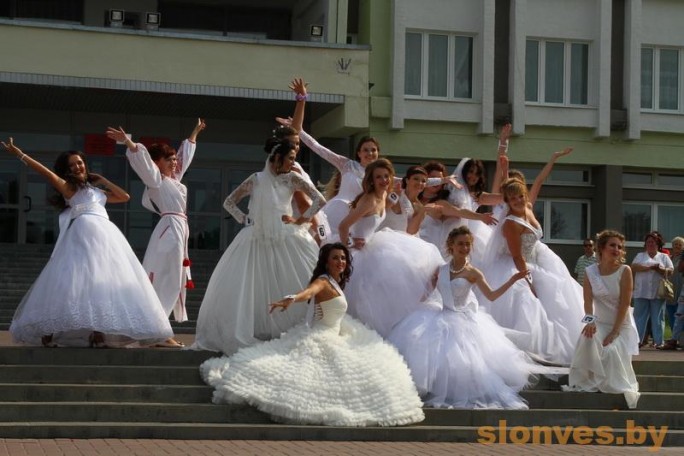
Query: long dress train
[335,372]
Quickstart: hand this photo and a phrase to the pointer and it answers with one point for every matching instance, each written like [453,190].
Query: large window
[640,218]
[651,180]
[557,72]
[660,79]
[563,220]
[438,65]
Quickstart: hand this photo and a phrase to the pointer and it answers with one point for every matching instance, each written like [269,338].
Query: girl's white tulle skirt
[462,359]
[317,376]
[392,274]
[545,326]
[92,282]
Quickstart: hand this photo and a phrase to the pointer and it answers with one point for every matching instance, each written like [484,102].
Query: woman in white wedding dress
[408,212]
[459,357]
[271,254]
[603,356]
[331,370]
[542,315]
[93,290]
[392,268]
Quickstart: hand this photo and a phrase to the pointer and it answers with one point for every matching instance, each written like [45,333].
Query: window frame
[654,206]
[450,66]
[655,72]
[546,227]
[567,73]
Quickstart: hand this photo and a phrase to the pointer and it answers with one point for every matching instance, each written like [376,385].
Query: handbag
[665,290]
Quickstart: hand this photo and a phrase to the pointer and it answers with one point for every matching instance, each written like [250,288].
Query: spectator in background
[587,259]
[671,306]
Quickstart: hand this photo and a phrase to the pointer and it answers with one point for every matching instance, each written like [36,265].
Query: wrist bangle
[23,159]
[301,97]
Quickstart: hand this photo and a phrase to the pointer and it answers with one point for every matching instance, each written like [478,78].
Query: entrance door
[25,214]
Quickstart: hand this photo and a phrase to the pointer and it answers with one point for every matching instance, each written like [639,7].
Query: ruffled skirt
[392,274]
[317,376]
[92,282]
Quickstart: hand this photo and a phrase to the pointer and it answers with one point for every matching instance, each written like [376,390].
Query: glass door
[10,178]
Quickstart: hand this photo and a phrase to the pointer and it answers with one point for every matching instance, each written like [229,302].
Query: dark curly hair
[434,165]
[62,169]
[278,149]
[412,171]
[657,237]
[321,265]
[160,150]
[480,185]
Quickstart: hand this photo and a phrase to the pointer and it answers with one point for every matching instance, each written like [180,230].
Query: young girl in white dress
[392,268]
[166,258]
[541,314]
[269,256]
[459,357]
[603,356]
[331,370]
[93,290]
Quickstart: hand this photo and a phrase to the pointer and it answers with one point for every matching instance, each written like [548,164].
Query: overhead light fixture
[116,17]
[317,30]
[152,20]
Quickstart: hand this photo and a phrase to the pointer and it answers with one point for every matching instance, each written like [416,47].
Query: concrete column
[605,11]
[487,34]
[606,206]
[516,64]
[398,64]
[632,68]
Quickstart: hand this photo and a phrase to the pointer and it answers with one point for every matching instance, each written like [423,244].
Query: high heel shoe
[96,340]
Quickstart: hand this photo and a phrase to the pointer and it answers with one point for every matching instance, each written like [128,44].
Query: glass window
[569,175]
[671,180]
[670,220]
[669,79]
[532,71]
[413,64]
[637,220]
[554,72]
[438,48]
[438,65]
[647,78]
[463,67]
[579,73]
[538,210]
[636,179]
[569,220]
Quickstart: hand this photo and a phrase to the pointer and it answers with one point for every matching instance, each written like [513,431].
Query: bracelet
[504,145]
[23,159]
[301,97]
[290,296]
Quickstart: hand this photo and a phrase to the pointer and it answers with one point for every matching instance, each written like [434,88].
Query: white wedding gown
[336,372]
[266,261]
[545,326]
[92,282]
[607,369]
[459,357]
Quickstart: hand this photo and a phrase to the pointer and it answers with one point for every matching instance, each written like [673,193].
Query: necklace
[455,272]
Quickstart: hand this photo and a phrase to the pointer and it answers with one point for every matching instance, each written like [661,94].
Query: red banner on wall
[147,141]
[98,144]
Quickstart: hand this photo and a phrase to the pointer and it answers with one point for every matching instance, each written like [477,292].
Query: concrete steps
[157,393]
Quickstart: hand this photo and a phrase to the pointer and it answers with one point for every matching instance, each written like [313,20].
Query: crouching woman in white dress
[331,370]
[603,356]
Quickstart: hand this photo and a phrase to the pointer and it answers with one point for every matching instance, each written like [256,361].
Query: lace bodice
[528,239]
[457,294]
[284,186]
[364,228]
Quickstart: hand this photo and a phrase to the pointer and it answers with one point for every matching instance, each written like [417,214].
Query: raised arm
[338,161]
[298,86]
[138,157]
[306,294]
[53,179]
[449,210]
[546,170]
[502,150]
[186,151]
[231,202]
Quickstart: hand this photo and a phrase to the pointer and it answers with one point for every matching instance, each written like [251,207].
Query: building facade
[430,79]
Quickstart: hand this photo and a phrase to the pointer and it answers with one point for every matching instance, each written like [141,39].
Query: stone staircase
[20,265]
[156,393]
